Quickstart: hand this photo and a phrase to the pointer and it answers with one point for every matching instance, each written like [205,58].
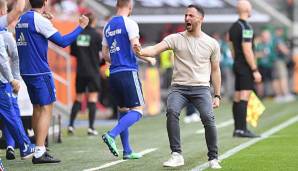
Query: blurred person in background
[226,67]
[33,31]
[86,50]
[192,115]
[281,81]
[245,69]
[166,72]
[266,56]
[194,65]
[121,34]
[10,84]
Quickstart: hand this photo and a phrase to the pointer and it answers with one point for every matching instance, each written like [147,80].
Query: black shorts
[87,84]
[244,82]
[243,77]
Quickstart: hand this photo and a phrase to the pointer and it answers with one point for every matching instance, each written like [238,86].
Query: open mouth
[188,24]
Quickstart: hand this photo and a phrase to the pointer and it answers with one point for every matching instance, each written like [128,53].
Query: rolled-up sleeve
[3,21]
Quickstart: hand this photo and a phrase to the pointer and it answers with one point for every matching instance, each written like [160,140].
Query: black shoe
[244,134]
[45,158]
[10,154]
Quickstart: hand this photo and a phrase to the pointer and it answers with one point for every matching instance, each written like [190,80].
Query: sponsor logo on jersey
[21,40]
[114,48]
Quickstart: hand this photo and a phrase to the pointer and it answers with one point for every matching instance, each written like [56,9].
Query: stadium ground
[278,152]
[81,152]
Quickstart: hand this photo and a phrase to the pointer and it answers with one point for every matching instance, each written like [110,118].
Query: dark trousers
[200,97]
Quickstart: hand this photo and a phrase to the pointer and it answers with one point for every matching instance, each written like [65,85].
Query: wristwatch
[217,96]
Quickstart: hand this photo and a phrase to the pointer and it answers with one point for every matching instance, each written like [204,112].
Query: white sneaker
[175,160]
[187,119]
[195,117]
[214,164]
[289,98]
[92,132]
[70,130]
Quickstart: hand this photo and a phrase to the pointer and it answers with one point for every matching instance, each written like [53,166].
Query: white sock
[39,150]
[11,147]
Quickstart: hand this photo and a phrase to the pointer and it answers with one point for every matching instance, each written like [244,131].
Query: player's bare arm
[249,56]
[106,53]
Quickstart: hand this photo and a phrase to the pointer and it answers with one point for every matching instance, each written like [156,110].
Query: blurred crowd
[66,9]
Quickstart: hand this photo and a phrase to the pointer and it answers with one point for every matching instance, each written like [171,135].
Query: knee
[123,109]
[208,120]
[171,113]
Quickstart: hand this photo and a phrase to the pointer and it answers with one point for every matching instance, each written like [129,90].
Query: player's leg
[245,88]
[126,88]
[20,123]
[127,120]
[130,118]
[236,100]
[175,103]
[93,89]
[10,144]
[8,137]
[202,100]
[41,90]
[76,107]
[43,118]
[92,99]
[26,150]
[133,99]
[10,119]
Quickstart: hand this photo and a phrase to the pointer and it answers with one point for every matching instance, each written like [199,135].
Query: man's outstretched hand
[138,49]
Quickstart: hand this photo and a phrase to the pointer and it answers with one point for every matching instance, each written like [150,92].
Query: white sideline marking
[251,142]
[119,161]
[221,125]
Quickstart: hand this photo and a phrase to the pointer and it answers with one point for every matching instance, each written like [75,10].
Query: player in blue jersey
[9,85]
[32,33]
[120,35]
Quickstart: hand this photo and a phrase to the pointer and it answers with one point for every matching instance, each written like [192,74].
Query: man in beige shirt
[196,59]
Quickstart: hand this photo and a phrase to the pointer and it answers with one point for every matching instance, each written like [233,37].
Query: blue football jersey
[117,35]
[32,33]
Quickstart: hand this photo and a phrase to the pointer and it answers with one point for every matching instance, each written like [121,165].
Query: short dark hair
[198,8]
[37,3]
[122,3]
